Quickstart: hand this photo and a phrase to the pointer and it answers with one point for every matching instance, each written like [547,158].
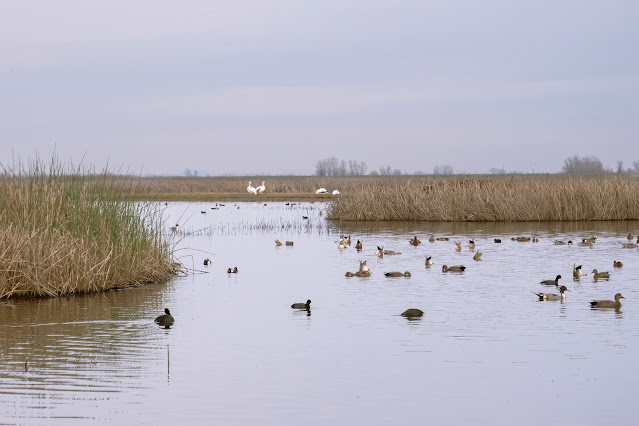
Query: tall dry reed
[65,232]
[502,199]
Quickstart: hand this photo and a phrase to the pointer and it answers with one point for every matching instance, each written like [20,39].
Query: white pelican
[251,190]
[336,192]
[321,191]
[261,188]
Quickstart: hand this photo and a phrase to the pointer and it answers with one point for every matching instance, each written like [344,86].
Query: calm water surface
[486,352]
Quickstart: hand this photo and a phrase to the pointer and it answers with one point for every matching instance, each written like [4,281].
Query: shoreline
[226,196]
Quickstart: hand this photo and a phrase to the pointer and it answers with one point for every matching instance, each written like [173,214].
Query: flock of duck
[167,320]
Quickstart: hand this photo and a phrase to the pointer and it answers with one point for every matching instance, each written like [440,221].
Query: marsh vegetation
[64,232]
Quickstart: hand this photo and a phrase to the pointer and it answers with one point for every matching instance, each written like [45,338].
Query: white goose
[261,188]
[251,190]
[321,191]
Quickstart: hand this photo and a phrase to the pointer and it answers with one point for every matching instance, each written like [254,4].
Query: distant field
[499,198]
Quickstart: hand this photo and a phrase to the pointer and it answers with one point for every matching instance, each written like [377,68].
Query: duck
[358,245]
[306,305]
[397,274]
[391,252]
[165,320]
[278,243]
[203,211]
[454,268]
[522,239]
[289,243]
[341,245]
[414,241]
[597,275]
[432,238]
[617,264]
[413,313]
[429,262]
[559,243]
[471,244]
[362,266]
[321,191]
[630,245]
[576,272]
[347,240]
[251,190]
[358,274]
[380,251]
[341,239]
[477,256]
[630,236]
[607,303]
[535,240]
[207,261]
[175,228]
[552,282]
[550,296]
[586,242]
[261,188]
[497,240]
[457,246]
[232,271]
[442,238]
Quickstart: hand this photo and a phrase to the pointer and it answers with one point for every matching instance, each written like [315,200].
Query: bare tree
[635,164]
[397,172]
[187,172]
[328,166]
[619,166]
[444,169]
[583,165]
[385,170]
[357,169]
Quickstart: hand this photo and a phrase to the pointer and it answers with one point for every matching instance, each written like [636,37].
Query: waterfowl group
[232,270]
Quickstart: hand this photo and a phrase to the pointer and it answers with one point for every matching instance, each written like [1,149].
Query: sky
[271,87]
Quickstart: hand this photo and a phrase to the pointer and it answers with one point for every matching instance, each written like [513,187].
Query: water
[485,351]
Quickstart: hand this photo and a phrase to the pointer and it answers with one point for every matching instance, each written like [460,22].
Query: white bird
[251,190]
[321,191]
[261,188]
[336,192]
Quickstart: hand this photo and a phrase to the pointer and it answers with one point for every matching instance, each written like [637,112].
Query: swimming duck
[471,244]
[347,240]
[175,228]
[207,261]
[457,246]
[306,305]
[414,241]
[535,240]
[341,246]
[432,238]
[165,320]
[397,274]
[550,296]
[559,243]
[607,303]
[454,268]
[552,282]
[289,243]
[380,251]
[429,262]
[630,245]
[597,275]
[278,243]
[232,271]
[477,256]
[617,264]
[391,252]
[497,240]
[261,188]
[442,238]
[413,313]
[629,237]
[358,274]
[576,272]
[358,245]
[251,190]
[362,266]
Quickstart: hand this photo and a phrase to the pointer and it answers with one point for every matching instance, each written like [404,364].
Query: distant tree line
[589,164]
[331,166]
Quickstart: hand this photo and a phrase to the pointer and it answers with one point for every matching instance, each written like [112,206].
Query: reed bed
[76,232]
[492,199]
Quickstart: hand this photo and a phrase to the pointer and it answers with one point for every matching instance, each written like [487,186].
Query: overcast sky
[259,86]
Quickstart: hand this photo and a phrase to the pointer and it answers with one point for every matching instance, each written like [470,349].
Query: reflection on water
[485,351]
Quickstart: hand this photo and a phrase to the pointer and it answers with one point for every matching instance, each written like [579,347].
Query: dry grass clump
[64,233]
[503,199]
